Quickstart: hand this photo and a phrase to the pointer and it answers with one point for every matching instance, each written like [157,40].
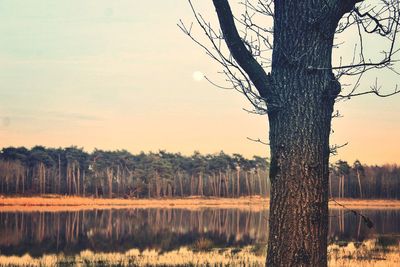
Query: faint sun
[198,76]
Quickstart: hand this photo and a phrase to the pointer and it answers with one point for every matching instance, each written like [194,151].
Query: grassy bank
[60,203]
[367,254]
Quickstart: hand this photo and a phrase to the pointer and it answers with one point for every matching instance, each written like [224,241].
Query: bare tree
[279,55]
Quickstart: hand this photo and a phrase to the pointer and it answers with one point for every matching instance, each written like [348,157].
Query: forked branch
[238,49]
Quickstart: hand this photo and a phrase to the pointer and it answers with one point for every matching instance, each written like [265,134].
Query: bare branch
[334,149]
[258,141]
[366,219]
[238,50]
[375,89]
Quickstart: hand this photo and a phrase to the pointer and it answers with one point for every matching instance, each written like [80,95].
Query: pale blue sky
[118,74]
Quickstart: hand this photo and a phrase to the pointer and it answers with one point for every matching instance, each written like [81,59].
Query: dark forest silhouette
[72,171]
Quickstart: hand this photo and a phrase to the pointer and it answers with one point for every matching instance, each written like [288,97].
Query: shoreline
[72,203]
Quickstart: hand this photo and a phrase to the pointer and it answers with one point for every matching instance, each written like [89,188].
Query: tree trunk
[169,190]
[359,183]
[247,183]
[109,178]
[300,111]
[59,174]
[267,188]
[212,183]
[299,138]
[158,185]
[342,186]
[79,180]
[192,185]
[238,182]
[227,183]
[118,180]
[299,92]
[219,183]
[17,177]
[330,185]
[83,183]
[233,185]
[39,173]
[44,179]
[200,186]
[180,183]
[25,175]
[69,178]
[259,183]
[74,180]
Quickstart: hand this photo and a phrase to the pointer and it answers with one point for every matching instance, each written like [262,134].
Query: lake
[135,236]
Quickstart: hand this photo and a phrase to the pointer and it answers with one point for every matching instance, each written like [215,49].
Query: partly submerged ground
[366,254]
[65,203]
[370,253]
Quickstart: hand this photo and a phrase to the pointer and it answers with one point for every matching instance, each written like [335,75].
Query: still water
[165,230]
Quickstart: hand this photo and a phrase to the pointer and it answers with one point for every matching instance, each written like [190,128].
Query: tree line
[72,171]
[362,181]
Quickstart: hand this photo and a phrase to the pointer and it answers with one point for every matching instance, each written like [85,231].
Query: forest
[120,174]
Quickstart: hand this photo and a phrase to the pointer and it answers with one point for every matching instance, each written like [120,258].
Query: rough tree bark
[299,133]
[300,101]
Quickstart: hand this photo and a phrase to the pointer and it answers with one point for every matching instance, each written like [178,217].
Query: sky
[121,75]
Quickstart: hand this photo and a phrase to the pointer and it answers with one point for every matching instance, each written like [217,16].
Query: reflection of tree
[346,226]
[163,229]
[109,230]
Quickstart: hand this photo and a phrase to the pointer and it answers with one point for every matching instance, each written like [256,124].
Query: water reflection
[120,230]
[347,226]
